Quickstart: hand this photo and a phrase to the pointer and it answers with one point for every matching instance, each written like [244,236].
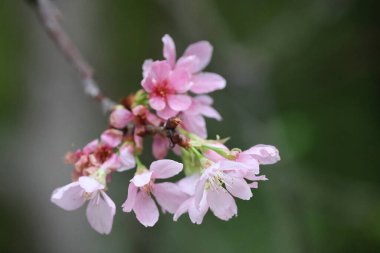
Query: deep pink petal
[160,146]
[238,187]
[142,179]
[89,184]
[169,49]
[68,197]
[179,102]
[207,82]
[165,168]
[179,79]
[221,203]
[145,209]
[169,196]
[131,198]
[203,51]
[100,212]
[157,103]
[111,137]
[120,118]
[91,147]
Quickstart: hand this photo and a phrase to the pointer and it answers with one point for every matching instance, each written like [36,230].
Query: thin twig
[50,16]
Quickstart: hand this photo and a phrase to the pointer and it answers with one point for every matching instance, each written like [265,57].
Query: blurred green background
[302,75]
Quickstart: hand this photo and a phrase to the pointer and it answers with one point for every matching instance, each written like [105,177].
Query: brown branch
[50,16]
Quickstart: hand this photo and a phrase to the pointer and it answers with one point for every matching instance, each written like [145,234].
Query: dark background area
[301,75]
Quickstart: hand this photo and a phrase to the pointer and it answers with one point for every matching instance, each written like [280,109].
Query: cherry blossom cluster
[171,108]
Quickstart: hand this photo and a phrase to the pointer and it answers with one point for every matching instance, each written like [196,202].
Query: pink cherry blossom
[216,185]
[166,87]
[195,58]
[100,209]
[143,187]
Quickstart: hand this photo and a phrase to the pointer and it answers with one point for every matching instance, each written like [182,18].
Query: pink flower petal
[120,118]
[131,198]
[238,187]
[179,102]
[210,112]
[194,123]
[145,209]
[187,184]
[100,212]
[157,103]
[207,82]
[200,190]
[167,113]
[169,196]
[112,163]
[159,71]
[165,168]
[203,51]
[89,184]
[266,154]
[160,146]
[221,203]
[91,147]
[179,79]
[127,159]
[111,137]
[146,67]
[183,208]
[189,63]
[196,214]
[142,179]
[68,197]
[169,49]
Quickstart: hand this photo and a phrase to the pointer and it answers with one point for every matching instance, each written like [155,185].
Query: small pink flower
[265,154]
[100,210]
[143,187]
[195,58]
[193,118]
[160,146]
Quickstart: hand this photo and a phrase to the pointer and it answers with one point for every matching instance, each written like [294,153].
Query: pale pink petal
[203,51]
[204,99]
[127,159]
[146,67]
[169,196]
[238,187]
[167,113]
[142,179]
[145,209]
[179,79]
[169,49]
[160,146]
[194,123]
[100,212]
[179,102]
[221,203]
[213,156]
[131,198]
[165,168]
[207,82]
[148,83]
[111,137]
[189,63]
[266,154]
[91,147]
[210,112]
[196,214]
[112,163]
[89,184]
[200,190]
[183,208]
[187,184]
[157,103]
[120,118]
[68,197]
[232,166]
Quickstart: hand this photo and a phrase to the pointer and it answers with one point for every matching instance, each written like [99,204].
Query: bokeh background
[302,75]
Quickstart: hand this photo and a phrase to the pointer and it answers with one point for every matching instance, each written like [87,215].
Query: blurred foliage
[311,89]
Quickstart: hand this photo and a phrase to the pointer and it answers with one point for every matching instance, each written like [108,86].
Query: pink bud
[120,118]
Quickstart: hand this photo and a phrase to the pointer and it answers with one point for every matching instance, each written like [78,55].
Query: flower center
[163,89]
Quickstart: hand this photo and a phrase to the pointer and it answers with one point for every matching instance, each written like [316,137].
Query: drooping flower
[143,187]
[100,210]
